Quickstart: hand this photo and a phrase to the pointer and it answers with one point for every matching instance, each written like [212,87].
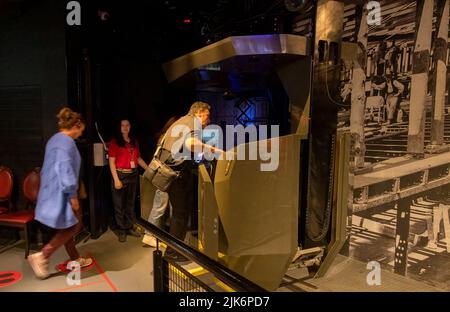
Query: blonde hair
[67,119]
[198,107]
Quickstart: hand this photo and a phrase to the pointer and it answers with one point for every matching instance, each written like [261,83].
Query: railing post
[158,274]
[165,275]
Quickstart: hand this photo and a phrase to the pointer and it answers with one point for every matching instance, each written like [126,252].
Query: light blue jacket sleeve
[68,178]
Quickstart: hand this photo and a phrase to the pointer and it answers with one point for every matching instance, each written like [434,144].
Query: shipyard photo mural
[394,101]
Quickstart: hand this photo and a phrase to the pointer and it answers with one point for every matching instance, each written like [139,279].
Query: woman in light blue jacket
[57,205]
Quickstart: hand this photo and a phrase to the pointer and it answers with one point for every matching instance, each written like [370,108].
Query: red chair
[31,187]
[24,218]
[6,188]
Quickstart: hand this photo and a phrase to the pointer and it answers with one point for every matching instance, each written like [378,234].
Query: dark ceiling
[12,8]
[180,26]
[210,18]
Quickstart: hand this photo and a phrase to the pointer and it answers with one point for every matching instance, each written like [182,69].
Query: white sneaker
[39,264]
[149,240]
[84,262]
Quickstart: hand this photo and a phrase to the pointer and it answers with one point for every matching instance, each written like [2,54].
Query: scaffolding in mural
[395,102]
[401,126]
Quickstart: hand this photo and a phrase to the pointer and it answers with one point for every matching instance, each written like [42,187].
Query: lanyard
[131,150]
[132,163]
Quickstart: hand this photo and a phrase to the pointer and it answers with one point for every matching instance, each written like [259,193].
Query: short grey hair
[198,107]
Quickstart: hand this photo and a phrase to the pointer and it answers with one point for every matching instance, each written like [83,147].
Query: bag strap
[160,145]
[158,149]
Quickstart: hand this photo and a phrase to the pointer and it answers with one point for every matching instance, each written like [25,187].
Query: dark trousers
[181,196]
[124,200]
[65,237]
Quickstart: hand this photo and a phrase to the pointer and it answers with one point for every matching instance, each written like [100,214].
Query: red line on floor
[103,274]
[78,286]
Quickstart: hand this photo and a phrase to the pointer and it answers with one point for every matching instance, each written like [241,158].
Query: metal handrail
[229,277]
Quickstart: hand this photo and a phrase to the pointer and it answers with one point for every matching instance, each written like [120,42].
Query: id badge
[133,165]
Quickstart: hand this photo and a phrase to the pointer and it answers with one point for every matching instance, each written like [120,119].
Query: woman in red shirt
[124,157]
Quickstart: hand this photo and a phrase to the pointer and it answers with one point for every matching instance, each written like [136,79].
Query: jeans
[124,200]
[160,204]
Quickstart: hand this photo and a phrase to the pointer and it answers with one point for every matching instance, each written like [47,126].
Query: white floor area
[121,267]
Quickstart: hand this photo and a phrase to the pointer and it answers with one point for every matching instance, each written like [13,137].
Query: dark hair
[119,137]
[67,119]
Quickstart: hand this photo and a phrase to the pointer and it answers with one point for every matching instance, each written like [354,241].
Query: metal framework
[385,186]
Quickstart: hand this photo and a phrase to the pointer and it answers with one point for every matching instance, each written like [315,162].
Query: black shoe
[132,232]
[122,237]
